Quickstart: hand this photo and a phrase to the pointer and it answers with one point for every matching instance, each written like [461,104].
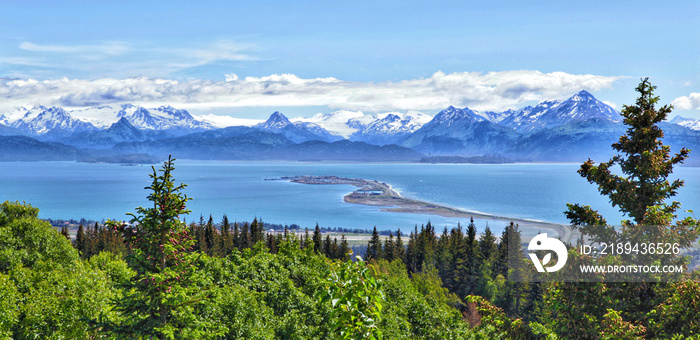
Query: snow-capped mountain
[386,128]
[687,122]
[491,116]
[450,116]
[335,122]
[460,131]
[346,123]
[162,118]
[553,113]
[298,132]
[275,123]
[119,132]
[56,121]
[399,122]
[41,120]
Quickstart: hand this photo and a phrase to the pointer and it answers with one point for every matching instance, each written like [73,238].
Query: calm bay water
[99,191]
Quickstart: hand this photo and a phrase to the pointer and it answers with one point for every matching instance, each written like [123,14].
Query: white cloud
[490,91]
[109,48]
[224,121]
[690,102]
[111,58]
[611,104]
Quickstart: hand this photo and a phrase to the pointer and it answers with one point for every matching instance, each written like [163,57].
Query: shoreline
[380,194]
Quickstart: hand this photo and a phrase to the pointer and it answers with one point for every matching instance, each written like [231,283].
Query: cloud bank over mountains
[690,102]
[492,91]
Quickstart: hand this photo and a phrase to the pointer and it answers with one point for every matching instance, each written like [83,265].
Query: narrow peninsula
[380,194]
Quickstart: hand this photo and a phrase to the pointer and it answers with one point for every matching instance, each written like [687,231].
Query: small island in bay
[376,193]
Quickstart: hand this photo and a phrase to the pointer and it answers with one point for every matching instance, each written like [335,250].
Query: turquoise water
[99,191]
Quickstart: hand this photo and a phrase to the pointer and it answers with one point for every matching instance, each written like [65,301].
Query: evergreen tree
[200,236]
[335,249]
[318,241]
[471,263]
[256,232]
[80,239]
[640,192]
[327,250]
[226,237]
[426,245]
[374,247]
[260,230]
[345,251]
[236,236]
[389,247]
[64,232]
[271,244]
[245,239]
[210,238]
[487,246]
[399,250]
[157,301]
[486,256]
[91,242]
[307,239]
[516,289]
[645,163]
[501,263]
[411,252]
[444,254]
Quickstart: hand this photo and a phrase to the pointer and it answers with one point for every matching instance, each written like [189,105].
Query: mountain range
[554,130]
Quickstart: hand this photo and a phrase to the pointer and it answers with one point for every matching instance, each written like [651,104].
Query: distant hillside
[23,148]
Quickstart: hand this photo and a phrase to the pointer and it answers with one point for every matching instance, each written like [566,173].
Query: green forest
[158,277]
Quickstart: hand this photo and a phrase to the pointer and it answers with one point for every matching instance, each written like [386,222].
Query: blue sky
[247,58]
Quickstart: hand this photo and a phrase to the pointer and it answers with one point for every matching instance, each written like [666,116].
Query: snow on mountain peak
[583,95]
[276,122]
[102,117]
[452,114]
[551,113]
[41,120]
[687,122]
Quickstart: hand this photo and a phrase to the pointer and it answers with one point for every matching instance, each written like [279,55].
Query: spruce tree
[80,239]
[345,251]
[226,238]
[374,247]
[257,231]
[411,252]
[210,237]
[426,246]
[471,263]
[444,254]
[327,250]
[158,301]
[389,247]
[640,189]
[487,246]
[318,240]
[335,249]
[236,236]
[245,241]
[307,239]
[399,250]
